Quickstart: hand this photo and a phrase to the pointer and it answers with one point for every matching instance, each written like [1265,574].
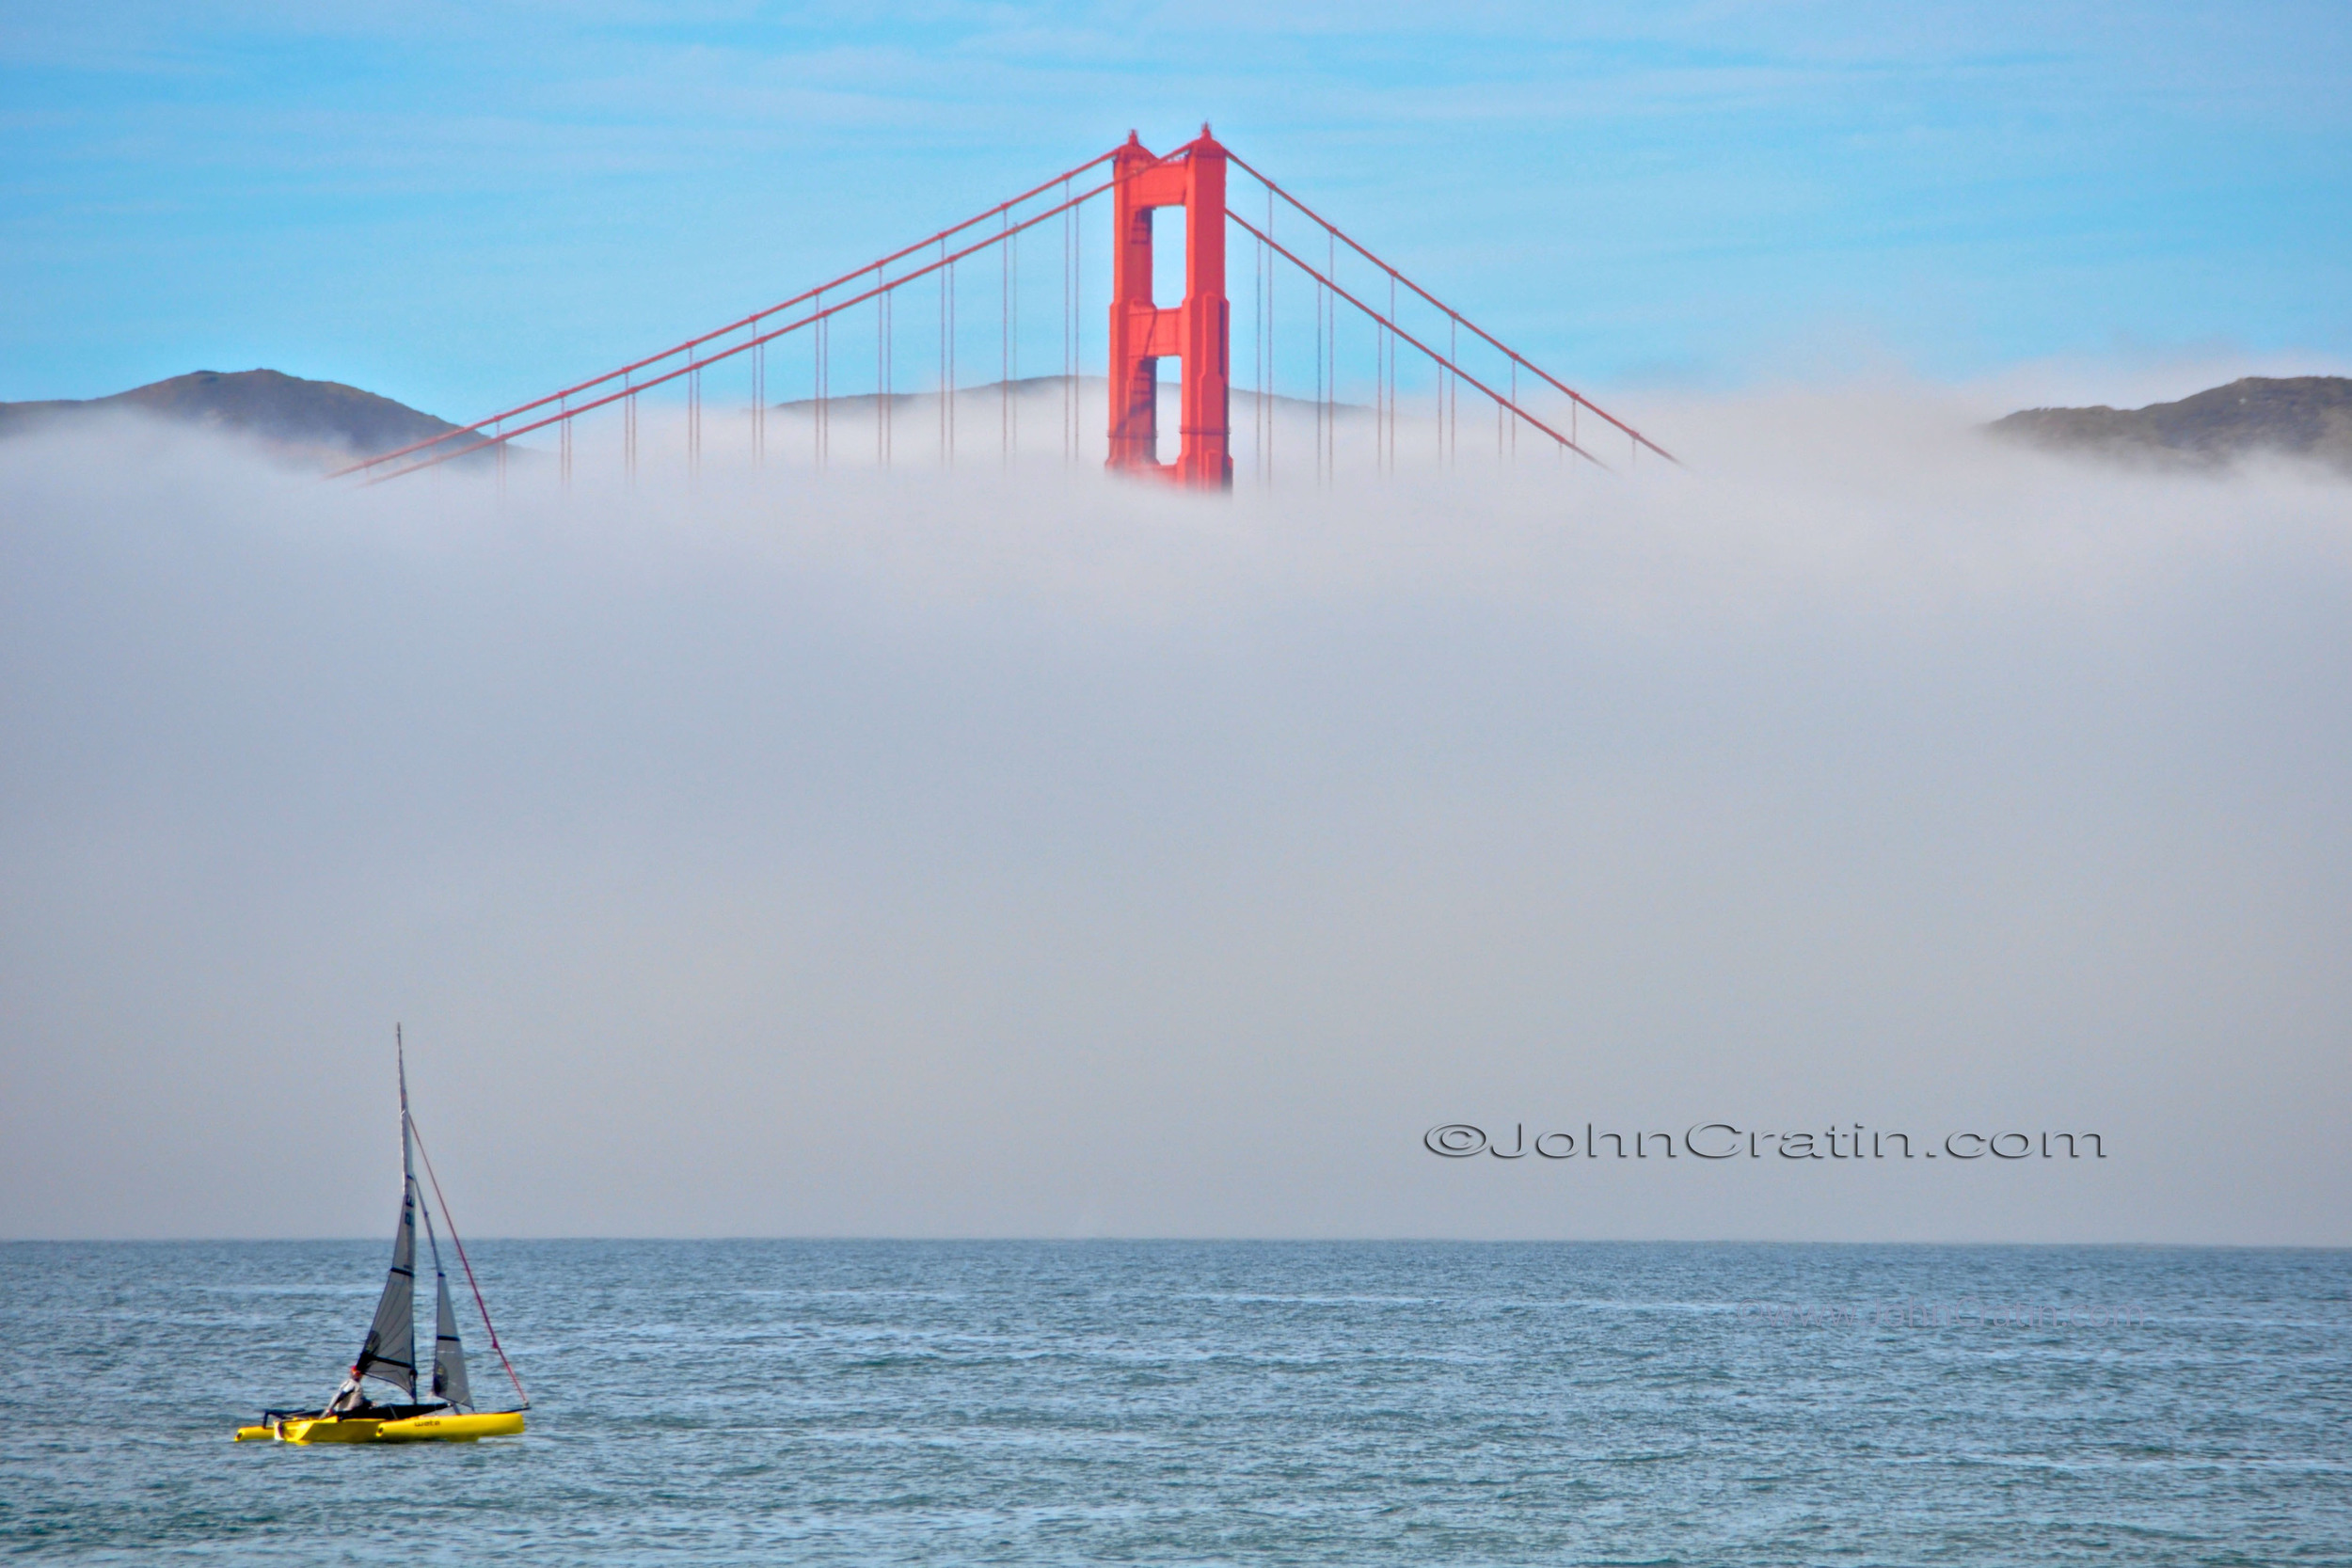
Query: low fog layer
[1022,853]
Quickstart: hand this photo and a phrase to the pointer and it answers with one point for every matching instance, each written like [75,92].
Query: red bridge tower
[1199,332]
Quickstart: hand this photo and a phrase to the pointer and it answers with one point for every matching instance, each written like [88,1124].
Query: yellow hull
[415,1429]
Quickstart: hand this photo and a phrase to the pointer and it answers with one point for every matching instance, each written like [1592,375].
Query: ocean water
[1175,1403]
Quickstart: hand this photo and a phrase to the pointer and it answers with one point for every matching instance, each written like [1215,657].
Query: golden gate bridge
[1197,332]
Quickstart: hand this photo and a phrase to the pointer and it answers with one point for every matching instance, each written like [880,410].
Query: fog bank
[1014,853]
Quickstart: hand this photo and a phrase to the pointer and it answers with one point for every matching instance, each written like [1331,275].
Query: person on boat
[348,1400]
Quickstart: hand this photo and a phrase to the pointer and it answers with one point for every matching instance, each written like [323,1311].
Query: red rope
[481,1305]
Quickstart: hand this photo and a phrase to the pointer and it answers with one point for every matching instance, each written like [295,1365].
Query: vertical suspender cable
[1004,348]
[1268,398]
[950,270]
[1012,334]
[1331,359]
[942,357]
[1069,330]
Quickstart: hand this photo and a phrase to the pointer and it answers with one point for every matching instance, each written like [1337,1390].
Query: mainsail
[390,1352]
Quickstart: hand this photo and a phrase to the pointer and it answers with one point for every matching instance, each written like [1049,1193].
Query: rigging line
[466,1263]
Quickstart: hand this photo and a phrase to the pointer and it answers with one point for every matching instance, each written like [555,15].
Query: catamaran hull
[413,1428]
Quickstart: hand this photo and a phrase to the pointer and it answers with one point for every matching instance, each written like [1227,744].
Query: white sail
[449,1356]
[391,1351]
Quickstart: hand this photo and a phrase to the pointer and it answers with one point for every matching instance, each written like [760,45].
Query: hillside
[284,410]
[2305,416]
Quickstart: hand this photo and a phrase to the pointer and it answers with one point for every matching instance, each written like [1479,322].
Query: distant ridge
[283,409]
[1033,389]
[2304,415]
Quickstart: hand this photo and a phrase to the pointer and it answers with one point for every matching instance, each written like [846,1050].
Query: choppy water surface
[877,1402]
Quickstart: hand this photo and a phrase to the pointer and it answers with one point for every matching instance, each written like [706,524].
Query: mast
[390,1350]
[407,1165]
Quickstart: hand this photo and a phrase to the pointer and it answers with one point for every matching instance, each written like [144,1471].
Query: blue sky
[462,205]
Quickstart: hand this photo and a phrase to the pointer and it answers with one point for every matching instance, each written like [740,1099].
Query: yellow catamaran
[389,1355]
